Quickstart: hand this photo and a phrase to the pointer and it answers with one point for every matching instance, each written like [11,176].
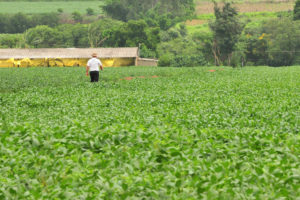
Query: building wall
[147,62]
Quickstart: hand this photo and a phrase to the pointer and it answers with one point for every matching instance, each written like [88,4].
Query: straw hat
[94,54]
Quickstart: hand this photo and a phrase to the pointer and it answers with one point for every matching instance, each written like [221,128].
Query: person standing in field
[93,67]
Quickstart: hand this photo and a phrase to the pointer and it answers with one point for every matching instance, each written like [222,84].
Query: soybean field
[150,133]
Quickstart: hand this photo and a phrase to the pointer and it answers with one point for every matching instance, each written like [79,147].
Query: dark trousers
[94,76]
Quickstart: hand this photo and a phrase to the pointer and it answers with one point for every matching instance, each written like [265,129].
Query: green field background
[51,6]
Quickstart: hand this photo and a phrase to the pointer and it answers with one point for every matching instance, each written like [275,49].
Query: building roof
[126,52]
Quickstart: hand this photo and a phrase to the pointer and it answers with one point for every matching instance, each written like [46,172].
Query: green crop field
[50,6]
[150,133]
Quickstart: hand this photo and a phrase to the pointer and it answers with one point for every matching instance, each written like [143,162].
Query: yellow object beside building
[64,62]
[68,57]
[26,62]
[7,63]
[40,62]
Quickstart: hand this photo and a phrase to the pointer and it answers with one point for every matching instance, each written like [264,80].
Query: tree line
[20,22]
[149,10]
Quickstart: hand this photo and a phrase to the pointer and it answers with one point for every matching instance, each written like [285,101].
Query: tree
[73,35]
[90,11]
[66,31]
[283,41]
[297,10]
[116,10]
[18,23]
[153,38]
[131,34]
[274,43]
[226,29]
[80,36]
[255,43]
[49,19]
[4,22]
[43,37]
[180,52]
[100,32]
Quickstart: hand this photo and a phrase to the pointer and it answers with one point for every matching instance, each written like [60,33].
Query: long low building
[67,57]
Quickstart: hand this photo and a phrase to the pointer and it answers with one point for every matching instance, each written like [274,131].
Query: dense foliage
[179,49]
[12,41]
[275,43]
[188,134]
[104,33]
[140,9]
[18,23]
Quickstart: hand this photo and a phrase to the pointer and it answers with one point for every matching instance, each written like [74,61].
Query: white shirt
[94,64]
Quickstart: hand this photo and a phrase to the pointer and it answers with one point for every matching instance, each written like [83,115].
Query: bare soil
[195,22]
[276,6]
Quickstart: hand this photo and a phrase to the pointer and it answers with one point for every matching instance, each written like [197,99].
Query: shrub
[4,22]
[100,33]
[237,59]
[145,52]
[90,11]
[19,23]
[188,61]
[10,40]
[43,37]
[165,60]
[116,10]
[77,17]
[184,51]
[49,19]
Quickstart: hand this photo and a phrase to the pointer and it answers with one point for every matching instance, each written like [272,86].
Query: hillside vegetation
[179,33]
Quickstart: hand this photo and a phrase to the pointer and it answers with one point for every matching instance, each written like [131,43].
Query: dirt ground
[195,22]
[275,6]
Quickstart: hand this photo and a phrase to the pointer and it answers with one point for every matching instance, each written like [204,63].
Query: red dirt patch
[212,70]
[128,78]
[195,22]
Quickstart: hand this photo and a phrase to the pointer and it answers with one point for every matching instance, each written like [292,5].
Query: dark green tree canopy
[297,10]
[137,9]
[226,29]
